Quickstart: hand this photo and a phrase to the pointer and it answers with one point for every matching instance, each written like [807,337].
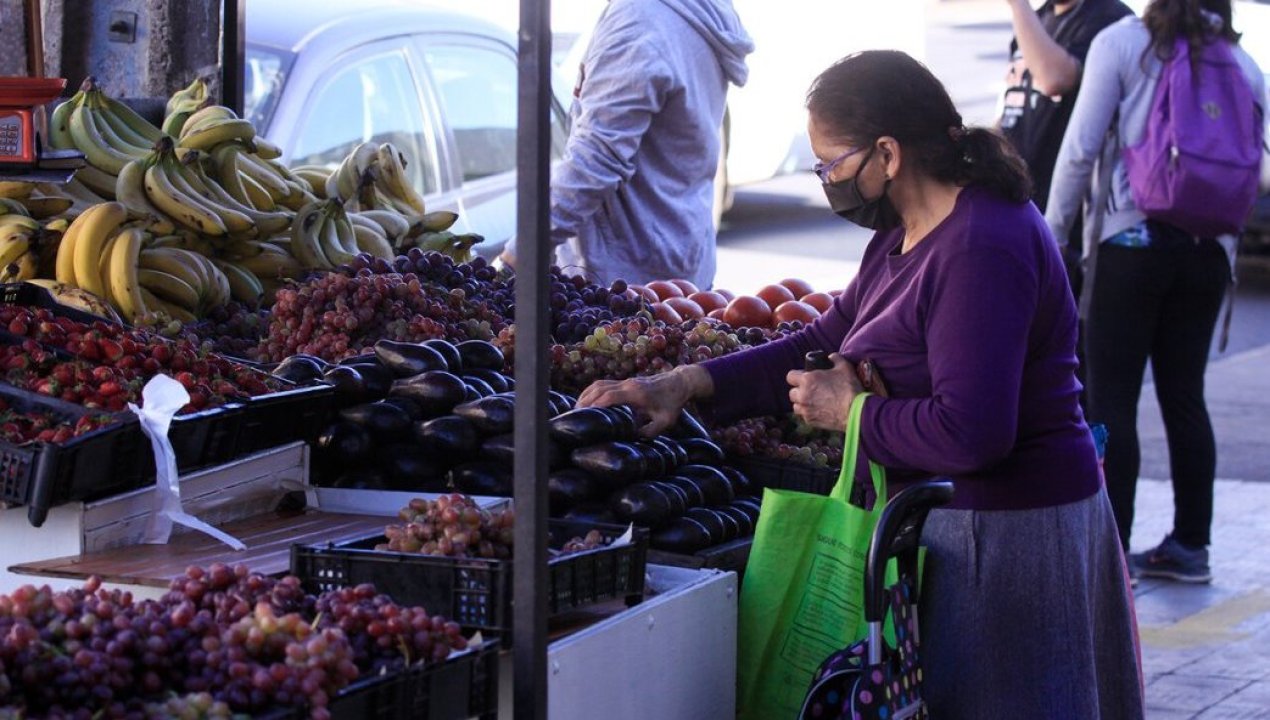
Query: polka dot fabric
[845,689]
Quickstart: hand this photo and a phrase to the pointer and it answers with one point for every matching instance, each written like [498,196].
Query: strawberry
[63,374]
[111,350]
[48,386]
[128,362]
[109,388]
[162,353]
[18,326]
[90,349]
[151,366]
[62,434]
[103,373]
[17,362]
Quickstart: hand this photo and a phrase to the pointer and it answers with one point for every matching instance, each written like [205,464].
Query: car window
[372,99]
[264,74]
[478,95]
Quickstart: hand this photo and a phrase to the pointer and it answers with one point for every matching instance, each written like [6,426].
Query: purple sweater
[974,333]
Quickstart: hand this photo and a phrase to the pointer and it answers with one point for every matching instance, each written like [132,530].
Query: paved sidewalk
[1206,648]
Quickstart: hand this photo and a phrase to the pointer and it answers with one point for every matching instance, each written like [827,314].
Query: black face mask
[846,200]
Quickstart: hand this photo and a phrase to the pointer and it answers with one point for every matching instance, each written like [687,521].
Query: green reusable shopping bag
[801,597]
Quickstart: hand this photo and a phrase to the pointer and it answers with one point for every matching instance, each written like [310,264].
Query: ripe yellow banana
[176,263]
[15,190]
[178,203]
[156,304]
[130,190]
[13,246]
[64,267]
[393,179]
[18,222]
[271,266]
[306,244]
[46,207]
[265,174]
[206,114]
[314,176]
[371,241]
[98,224]
[99,182]
[125,285]
[209,135]
[58,226]
[263,223]
[243,285]
[169,287]
[266,149]
[394,225]
[74,297]
[103,264]
[25,267]
[219,283]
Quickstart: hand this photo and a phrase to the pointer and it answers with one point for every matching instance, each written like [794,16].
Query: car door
[372,93]
[473,81]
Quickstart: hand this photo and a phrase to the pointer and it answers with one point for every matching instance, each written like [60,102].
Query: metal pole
[233,53]
[533,158]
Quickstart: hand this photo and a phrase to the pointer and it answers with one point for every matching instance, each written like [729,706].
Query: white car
[439,83]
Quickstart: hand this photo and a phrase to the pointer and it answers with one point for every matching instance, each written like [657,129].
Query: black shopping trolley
[872,679]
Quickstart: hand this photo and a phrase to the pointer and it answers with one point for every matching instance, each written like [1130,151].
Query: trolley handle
[897,535]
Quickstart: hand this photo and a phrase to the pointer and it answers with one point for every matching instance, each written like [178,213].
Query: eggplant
[412,408]
[654,462]
[299,370]
[493,378]
[591,514]
[625,424]
[684,535]
[711,521]
[345,442]
[350,389]
[716,486]
[702,452]
[571,488]
[407,359]
[741,484]
[362,359]
[642,504]
[320,362]
[696,498]
[385,423]
[502,450]
[688,426]
[511,383]
[566,402]
[482,478]
[447,438]
[750,505]
[436,391]
[447,351]
[480,354]
[470,394]
[408,467]
[581,427]
[492,415]
[742,518]
[677,497]
[481,387]
[670,450]
[360,478]
[614,463]
[676,447]
[376,379]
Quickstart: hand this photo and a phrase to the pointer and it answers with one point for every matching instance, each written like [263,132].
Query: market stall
[280,421]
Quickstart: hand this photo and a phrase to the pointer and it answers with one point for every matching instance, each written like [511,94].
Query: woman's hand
[657,398]
[822,398]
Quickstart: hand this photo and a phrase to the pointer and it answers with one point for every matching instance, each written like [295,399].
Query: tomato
[727,294]
[647,294]
[716,313]
[795,310]
[774,295]
[685,287]
[798,286]
[665,289]
[686,308]
[819,300]
[666,313]
[709,300]
[748,311]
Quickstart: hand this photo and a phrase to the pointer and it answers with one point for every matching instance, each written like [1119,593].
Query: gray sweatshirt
[1114,81]
[633,197]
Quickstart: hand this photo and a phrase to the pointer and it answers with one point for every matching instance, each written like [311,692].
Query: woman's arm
[1096,106]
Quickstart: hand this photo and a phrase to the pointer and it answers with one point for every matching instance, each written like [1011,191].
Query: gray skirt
[1028,614]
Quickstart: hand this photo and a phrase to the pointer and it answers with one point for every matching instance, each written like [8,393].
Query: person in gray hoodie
[633,196]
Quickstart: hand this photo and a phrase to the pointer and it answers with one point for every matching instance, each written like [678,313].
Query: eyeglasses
[824,170]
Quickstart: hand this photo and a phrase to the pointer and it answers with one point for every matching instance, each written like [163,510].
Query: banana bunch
[23,197]
[24,245]
[322,236]
[109,133]
[456,247]
[373,177]
[212,125]
[182,105]
[315,176]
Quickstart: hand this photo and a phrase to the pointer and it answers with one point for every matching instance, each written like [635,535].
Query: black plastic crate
[462,687]
[785,475]
[285,417]
[731,555]
[96,464]
[201,439]
[37,297]
[476,593]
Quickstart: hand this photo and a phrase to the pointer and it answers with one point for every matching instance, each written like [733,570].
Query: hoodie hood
[717,22]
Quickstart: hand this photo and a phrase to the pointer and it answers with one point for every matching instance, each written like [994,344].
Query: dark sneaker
[1172,560]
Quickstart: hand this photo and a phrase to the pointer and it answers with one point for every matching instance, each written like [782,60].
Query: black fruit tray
[464,686]
[766,472]
[731,555]
[96,464]
[284,417]
[476,593]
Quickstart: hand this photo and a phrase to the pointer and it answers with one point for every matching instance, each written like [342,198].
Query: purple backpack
[1198,165]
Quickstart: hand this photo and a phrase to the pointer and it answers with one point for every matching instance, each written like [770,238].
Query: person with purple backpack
[1166,138]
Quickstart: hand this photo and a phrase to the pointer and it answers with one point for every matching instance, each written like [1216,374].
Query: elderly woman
[962,305]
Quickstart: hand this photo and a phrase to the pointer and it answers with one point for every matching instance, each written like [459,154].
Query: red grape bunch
[451,525]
